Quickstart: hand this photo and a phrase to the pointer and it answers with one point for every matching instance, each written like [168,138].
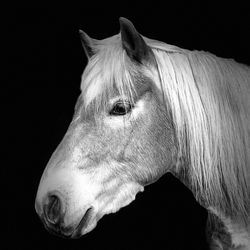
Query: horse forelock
[209,99]
[108,72]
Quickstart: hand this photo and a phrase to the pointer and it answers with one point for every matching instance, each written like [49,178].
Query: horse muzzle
[52,214]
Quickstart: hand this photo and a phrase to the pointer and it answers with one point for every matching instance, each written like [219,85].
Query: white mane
[209,99]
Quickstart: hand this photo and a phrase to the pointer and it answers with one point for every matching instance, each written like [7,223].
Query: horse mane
[209,101]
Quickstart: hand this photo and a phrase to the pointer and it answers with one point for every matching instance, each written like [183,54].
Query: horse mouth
[83,223]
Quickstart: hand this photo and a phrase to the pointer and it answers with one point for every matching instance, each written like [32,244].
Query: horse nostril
[52,209]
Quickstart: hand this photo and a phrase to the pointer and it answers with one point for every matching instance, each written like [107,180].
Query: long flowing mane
[209,101]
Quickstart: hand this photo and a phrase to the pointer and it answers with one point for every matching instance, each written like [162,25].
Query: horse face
[104,160]
[110,153]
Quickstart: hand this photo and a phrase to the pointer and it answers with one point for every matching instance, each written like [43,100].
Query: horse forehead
[82,117]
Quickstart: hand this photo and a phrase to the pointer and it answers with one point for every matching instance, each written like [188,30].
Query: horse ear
[87,44]
[133,42]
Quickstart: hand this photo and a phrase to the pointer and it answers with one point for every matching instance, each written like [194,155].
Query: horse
[147,108]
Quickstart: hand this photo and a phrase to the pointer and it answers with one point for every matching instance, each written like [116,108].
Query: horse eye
[121,108]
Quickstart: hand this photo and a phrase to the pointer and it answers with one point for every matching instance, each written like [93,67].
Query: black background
[46,62]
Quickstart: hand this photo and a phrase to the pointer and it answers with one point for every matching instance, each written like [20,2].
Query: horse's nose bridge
[63,164]
[69,151]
